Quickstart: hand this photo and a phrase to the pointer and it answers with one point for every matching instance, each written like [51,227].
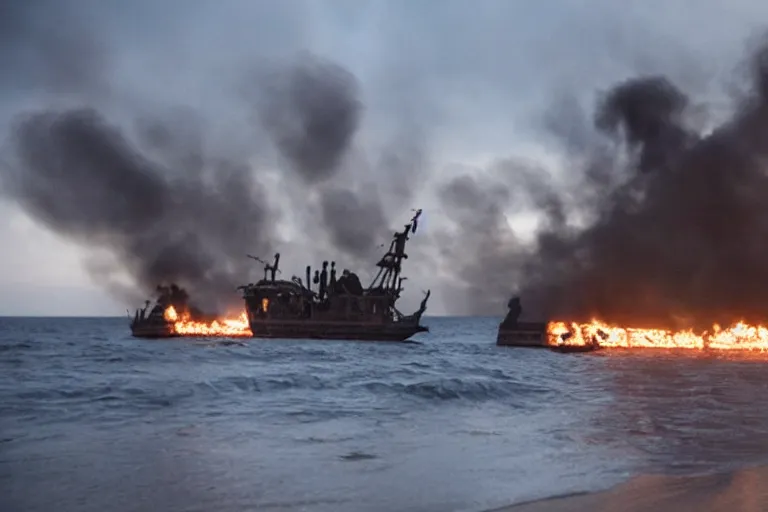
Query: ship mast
[387,279]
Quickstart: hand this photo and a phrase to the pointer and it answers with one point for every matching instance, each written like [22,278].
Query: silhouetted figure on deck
[341,283]
[332,281]
[515,310]
[323,281]
[352,283]
[316,279]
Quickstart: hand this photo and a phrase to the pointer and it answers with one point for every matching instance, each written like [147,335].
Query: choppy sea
[94,420]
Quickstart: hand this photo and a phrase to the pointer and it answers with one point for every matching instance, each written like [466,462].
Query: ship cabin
[287,300]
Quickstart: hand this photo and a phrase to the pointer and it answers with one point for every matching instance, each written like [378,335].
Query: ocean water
[94,420]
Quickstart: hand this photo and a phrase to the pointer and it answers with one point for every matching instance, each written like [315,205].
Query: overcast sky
[468,83]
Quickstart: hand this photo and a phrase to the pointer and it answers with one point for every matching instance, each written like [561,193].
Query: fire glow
[740,336]
[225,327]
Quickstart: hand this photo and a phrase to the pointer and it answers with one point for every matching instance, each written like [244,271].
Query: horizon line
[131,316]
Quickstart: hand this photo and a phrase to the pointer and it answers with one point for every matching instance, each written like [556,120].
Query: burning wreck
[338,308]
[590,336]
[159,321]
[173,316]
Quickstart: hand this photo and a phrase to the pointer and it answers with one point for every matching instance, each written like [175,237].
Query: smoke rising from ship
[679,226]
[312,111]
[158,195]
[81,176]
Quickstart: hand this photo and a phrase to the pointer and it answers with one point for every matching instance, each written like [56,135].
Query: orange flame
[170,314]
[739,336]
[227,327]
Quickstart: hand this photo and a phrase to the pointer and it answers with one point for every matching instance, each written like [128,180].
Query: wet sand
[741,491]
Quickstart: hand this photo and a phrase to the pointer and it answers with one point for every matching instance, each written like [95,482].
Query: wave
[129,399]
[458,389]
[264,383]
[167,393]
[18,345]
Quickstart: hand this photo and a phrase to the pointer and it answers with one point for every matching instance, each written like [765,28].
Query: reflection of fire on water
[229,327]
[739,336]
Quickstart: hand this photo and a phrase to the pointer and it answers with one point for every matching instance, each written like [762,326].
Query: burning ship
[172,316]
[338,308]
[513,333]
[570,337]
[160,321]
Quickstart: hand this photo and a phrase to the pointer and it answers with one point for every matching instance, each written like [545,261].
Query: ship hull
[523,334]
[335,331]
[153,331]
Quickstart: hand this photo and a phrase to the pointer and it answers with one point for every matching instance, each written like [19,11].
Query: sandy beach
[741,491]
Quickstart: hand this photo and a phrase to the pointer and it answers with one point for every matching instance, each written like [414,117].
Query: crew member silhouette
[323,281]
[332,282]
[515,310]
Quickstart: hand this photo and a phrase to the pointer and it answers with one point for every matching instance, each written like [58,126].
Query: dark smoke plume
[353,221]
[681,240]
[82,178]
[312,111]
[648,113]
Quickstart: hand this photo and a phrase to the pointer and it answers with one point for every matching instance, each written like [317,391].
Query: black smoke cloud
[678,227]
[84,179]
[312,111]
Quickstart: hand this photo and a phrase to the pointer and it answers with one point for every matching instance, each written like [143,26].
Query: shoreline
[734,491]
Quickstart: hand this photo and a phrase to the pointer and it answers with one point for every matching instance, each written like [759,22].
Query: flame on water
[739,336]
[229,327]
